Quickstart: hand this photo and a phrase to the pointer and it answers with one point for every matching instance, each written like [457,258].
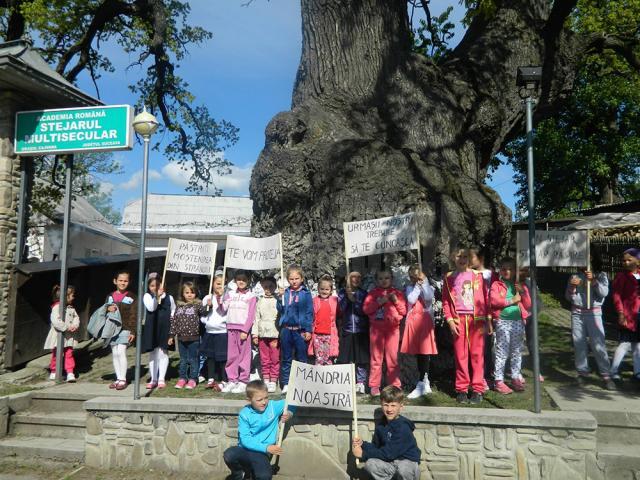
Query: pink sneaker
[502,388]
[375,391]
[191,384]
[517,385]
[161,385]
[151,385]
[181,383]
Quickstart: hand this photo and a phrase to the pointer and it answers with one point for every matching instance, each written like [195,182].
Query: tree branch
[105,13]
[622,45]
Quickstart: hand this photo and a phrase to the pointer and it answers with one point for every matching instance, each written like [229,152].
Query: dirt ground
[21,469]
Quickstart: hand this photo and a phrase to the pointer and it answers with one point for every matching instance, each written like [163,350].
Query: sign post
[70,131]
[73,130]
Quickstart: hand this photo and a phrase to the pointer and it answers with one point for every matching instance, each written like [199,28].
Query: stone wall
[456,443]
[9,190]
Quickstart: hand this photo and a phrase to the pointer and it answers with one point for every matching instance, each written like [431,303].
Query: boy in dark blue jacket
[393,453]
[295,307]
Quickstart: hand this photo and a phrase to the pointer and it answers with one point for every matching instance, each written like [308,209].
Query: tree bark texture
[376,130]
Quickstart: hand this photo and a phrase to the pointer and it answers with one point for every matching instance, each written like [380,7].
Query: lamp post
[145,124]
[528,79]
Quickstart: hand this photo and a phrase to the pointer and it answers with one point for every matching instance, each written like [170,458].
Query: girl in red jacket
[324,339]
[510,305]
[464,302]
[626,302]
[385,307]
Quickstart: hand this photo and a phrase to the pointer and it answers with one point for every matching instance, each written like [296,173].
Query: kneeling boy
[257,434]
[393,453]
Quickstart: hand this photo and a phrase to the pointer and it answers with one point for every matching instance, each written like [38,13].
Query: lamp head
[145,123]
[529,77]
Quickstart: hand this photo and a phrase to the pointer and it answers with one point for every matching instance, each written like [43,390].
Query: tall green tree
[589,152]
[157,34]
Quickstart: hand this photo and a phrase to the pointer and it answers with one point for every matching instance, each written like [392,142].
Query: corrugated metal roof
[85,215]
[605,220]
[190,213]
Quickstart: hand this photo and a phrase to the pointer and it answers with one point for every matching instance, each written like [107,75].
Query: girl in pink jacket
[510,305]
[465,306]
[385,306]
[324,338]
[241,313]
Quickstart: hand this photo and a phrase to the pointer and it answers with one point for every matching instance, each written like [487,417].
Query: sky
[245,75]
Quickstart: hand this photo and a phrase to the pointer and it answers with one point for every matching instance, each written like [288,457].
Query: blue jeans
[188,359]
[240,460]
[292,345]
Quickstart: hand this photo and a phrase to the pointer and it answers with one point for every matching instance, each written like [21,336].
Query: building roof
[190,214]
[85,216]
[23,70]
[608,220]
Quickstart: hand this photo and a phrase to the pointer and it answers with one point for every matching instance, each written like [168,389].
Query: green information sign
[74,130]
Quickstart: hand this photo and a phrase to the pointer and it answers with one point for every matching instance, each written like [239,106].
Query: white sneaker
[427,386]
[254,376]
[201,379]
[360,388]
[52,376]
[228,387]
[71,378]
[284,389]
[239,388]
[418,391]
[271,387]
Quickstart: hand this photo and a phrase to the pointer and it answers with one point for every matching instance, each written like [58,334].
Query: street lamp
[145,125]
[528,79]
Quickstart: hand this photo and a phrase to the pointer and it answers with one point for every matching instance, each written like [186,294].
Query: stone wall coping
[480,417]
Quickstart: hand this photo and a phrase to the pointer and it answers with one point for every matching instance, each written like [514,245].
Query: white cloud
[136,179]
[106,188]
[237,182]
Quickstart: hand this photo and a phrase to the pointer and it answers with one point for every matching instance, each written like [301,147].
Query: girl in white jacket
[214,342]
[69,326]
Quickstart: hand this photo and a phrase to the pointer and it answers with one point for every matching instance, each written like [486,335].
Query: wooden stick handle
[164,270]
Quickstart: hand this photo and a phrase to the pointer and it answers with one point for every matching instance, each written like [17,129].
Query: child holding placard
[160,307]
[354,329]
[265,333]
[465,305]
[214,341]
[626,302]
[385,306]
[586,321]
[240,306]
[295,307]
[257,434]
[324,339]
[393,452]
[419,337]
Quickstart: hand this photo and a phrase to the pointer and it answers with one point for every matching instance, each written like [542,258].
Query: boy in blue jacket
[257,434]
[295,307]
[393,453]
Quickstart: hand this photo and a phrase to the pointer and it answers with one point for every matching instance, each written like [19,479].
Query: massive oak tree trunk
[376,130]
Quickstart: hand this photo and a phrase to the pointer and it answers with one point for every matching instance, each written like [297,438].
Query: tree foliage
[72,36]
[589,152]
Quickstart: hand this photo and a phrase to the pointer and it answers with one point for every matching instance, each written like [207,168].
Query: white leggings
[119,353]
[621,352]
[158,364]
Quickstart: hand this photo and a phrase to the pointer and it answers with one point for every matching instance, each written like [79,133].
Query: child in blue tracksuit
[257,434]
[295,307]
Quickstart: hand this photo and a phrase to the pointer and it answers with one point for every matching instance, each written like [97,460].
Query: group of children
[356,326]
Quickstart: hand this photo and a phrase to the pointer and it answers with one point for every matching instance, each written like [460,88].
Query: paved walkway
[575,398]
